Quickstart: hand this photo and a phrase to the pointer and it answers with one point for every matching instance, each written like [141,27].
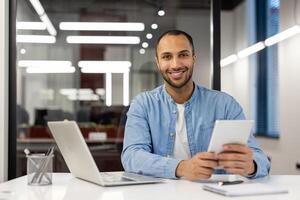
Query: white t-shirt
[181,146]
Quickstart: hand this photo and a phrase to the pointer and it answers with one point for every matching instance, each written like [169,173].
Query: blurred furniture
[298,165]
[106,153]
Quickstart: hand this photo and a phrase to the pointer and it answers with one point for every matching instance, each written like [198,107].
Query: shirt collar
[188,102]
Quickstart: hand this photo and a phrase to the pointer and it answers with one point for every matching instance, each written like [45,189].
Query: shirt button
[174,111]
[172,134]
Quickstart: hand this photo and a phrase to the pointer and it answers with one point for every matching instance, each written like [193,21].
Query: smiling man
[169,128]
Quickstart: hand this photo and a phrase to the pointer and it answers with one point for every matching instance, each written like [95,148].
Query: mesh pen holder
[39,169]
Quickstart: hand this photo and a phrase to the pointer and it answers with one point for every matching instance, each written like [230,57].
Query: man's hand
[200,166]
[237,159]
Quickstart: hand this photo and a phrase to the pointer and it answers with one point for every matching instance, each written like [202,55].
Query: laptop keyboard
[138,177]
[112,177]
[115,177]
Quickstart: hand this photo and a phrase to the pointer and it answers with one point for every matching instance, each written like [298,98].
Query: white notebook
[245,189]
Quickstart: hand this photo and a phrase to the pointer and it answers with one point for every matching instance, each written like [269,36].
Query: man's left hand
[237,159]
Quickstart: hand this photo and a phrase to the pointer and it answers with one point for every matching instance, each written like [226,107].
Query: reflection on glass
[85,62]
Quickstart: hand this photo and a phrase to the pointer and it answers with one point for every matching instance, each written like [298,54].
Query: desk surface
[67,187]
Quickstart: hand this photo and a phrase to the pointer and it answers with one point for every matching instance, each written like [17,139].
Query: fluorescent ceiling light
[82,94]
[103,70]
[44,63]
[23,51]
[74,91]
[104,66]
[283,35]
[101,26]
[161,13]
[35,39]
[103,39]
[154,26]
[126,89]
[251,50]
[49,25]
[142,51]
[43,16]
[37,6]
[31,26]
[228,60]
[100,91]
[107,64]
[108,89]
[149,36]
[84,97]
[261,45]
[145,44]
[49,70]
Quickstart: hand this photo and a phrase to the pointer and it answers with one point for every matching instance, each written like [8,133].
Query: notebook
[245,189]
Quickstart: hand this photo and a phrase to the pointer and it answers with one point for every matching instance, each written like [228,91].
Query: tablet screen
[229,132]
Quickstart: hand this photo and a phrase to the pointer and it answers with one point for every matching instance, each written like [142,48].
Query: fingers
[206,171]
[236,159]
[208,163]
[206,159]
[239,148]
[233,164]
[198,177]
[240,171]
[232,156]
[201,166]
[207,156]
[201,173]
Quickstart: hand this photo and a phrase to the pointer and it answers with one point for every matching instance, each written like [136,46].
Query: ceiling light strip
[251,50]
[89,63]
[49,70]
[102,26]
[261,45]
[283,35]
[38,7]
[74,91]
[49,25]
[30,26]
[103,70]
[103,39]
[126,88]
[43,16]
[108,89]
[228,60]
[44,63]
[47,39]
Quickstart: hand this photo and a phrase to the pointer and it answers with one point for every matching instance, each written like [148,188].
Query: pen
[221,183]
[45,165]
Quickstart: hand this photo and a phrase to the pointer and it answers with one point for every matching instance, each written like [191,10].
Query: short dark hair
[176,32]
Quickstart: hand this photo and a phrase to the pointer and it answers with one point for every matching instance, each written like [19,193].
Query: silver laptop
[81,163]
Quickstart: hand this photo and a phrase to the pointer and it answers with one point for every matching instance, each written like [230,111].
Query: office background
[238,78]
[3,88]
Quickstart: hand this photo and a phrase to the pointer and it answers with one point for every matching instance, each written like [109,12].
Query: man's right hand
[200,166]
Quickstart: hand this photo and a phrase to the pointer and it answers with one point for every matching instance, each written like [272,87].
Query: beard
[183,82]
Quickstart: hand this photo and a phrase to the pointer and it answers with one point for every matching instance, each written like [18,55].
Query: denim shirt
[150,130]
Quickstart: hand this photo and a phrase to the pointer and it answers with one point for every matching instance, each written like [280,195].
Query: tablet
[229,132]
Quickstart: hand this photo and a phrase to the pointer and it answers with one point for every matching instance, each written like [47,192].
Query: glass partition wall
[85,60]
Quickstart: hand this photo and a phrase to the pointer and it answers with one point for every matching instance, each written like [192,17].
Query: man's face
[175,60]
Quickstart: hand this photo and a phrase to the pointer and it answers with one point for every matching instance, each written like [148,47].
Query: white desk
[68,188]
